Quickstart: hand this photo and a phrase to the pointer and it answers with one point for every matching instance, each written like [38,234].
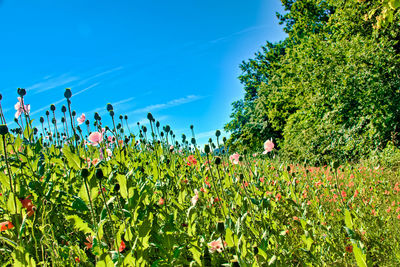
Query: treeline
[330,90]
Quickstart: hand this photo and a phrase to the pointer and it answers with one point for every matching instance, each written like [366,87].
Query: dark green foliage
[328,91]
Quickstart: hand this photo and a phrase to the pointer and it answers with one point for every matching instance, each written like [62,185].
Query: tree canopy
[330,90]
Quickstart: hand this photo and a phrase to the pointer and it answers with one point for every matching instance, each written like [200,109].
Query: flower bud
[47,113]
[67,93]
[52,107]
[73,113]
[150,116]
[87,122]
[157,124]
[144,129]
[191,127]
[63,109]
[126,117]
[193,141]
[224,139]
[167,128]
[218,133]
[21,92]
[41,119]
[121,117]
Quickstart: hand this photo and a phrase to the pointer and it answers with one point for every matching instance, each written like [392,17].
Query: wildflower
[77,260]
[6,225]
[161,201]
[89,244]
[349,248]
[191,160]
[95,161]
[95,138]
[81,119]
[21,108]
[195,198]
[109,152]
[268,146]
[27,204]
[295,218]
[343,194]
[234,158]
[216,245]
[262,179]
[122,246]
[278,196]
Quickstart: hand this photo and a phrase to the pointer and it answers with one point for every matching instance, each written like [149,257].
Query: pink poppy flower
[95,138]
[268,146]
[81,119]
[216,245]
[109,152]
[234,158]
[21,108]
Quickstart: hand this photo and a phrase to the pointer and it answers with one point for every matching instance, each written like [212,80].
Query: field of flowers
[77,193]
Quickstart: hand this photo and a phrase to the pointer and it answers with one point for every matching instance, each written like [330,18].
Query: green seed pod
[21,92]
[218,133]
[220,227]
[217,160]
[112,113]
[41,119]
[335,164]
[207,149]
[150,116]
[109,107]
[52,107]
[3,129]
[99,174]
[67,93]
[85,173]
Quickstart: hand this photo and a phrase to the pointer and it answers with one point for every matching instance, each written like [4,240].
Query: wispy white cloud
[205,134]
[49,83]
[169,104]
[249,29]
[63,99]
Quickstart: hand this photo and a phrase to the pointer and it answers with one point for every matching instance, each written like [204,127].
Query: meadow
[75,192]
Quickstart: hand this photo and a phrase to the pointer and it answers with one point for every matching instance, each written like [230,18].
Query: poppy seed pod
[335,164]
[119,126]
[41,119]
[63,109]
[109,107]
[97,116]
[125,117]
[53,120]
[120,117]
[73,113]
[21,92]
[224,139]
[220,227]
[47,113]
[35,130]
[207,149]
[218,133]
[3,129]
[217,160]
[87,122]
[157,124]
[85,173]
[193,141]
[112,113]
[167,128]
[16,120]
[52,107]
[62,119]
[1,97]
[116,188]
[144,129]
[191,127]
[67,93]
[99,174]
[150,116]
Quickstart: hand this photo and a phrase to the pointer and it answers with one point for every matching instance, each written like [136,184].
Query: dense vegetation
[330,90]
[104,197]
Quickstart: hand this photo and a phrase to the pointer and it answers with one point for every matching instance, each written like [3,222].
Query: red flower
[27,204]
[161,201]
[6,225]
[349,248]
[77,260]
[89,244]
[191,160]
[122,246]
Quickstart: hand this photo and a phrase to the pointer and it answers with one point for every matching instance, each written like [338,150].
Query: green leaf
[79,224]
[272,260]
[229,237]
[73,160]
[105,261]
[360,257]
[22,258]
[123,187]
[347,219]
[394,4]
[79,205]
[13,204]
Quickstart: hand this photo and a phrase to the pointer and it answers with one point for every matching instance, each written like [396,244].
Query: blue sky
[177,59]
